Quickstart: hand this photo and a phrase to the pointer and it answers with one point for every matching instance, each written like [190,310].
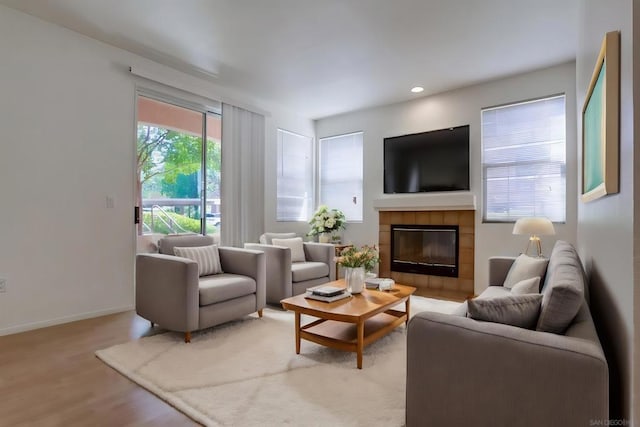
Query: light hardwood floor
[51,377]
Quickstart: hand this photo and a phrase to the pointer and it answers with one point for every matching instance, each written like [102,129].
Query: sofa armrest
[322,252]
[498,268]
[167,291]
[278,271]
[246,262]
[500,375]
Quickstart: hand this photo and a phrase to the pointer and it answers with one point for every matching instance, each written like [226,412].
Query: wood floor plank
[51,377]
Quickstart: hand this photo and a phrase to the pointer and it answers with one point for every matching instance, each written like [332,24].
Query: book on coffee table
[342,295]
[327,291]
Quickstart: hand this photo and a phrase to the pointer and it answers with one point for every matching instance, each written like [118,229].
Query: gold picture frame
[601,124]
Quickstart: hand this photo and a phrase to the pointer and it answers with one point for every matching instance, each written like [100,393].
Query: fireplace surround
[432,285]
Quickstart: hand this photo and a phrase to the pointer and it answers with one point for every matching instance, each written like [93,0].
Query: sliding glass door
[178,168]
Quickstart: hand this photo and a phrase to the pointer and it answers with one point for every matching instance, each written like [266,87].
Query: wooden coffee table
[351,323]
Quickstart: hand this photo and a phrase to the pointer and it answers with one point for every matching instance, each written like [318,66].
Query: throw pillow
[296,246]
[525,267]
[207,257]
[515,310]
[560,305]
[526,286]
[267,238]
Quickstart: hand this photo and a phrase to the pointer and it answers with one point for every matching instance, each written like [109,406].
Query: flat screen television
[429,161]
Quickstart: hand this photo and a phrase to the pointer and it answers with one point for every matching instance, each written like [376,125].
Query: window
[177,188]
[524,160]
[295,177]
[341,174]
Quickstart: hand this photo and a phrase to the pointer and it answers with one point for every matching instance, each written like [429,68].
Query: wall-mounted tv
[429,161]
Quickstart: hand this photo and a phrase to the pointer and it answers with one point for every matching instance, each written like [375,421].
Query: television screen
[428,161]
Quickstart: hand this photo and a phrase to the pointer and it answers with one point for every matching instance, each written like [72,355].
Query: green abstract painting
[594,137]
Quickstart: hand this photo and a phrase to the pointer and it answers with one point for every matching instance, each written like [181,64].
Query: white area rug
[246,373]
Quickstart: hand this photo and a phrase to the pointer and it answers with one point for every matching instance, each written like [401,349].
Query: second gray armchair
[286,278]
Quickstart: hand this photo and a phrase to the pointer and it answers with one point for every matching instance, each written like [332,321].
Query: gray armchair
[170,293]
[285,279]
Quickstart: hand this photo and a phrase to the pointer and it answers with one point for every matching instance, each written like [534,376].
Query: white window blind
[295,177]
[341,169]
[524,160]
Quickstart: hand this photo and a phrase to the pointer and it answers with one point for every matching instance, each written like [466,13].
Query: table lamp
[534,227]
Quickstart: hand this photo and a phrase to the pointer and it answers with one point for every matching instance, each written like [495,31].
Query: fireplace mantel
[459,201]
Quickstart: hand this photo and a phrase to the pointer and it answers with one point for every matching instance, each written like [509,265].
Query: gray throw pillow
[527,286]
[525,267]
[515,310]
[560,305]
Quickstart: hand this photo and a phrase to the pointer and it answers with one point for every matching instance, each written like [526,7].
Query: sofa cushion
[525,267]
[207,257]
[515,310]
[560,304]
[563,291]
[296,245]
[526,286]
[266,238]
[166,244]
[223,287]
[302,271]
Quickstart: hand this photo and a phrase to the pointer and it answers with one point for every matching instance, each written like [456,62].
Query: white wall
[605,228]
[67,125]
[459,107]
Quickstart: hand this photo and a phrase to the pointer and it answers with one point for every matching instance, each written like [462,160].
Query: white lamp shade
[537,226]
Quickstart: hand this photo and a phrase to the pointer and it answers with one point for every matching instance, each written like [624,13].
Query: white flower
[330,223]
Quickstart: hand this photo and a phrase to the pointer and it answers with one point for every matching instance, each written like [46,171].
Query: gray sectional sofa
[467,372]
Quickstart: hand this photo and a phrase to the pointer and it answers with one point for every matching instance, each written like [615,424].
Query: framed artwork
[601,124]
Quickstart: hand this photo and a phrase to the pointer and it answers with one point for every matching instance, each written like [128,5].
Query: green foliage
[164,155]
[184,187]
[188,224]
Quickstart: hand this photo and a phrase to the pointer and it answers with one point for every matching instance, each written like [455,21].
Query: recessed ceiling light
[417,89]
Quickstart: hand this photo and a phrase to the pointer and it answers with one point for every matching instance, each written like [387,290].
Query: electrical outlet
[3,285]
[109,202]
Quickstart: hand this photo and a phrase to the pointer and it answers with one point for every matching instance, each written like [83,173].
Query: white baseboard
[60,320]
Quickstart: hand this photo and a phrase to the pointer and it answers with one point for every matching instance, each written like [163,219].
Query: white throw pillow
[525,267]
[267,238]
[526,286]
[207,257]
[296,246]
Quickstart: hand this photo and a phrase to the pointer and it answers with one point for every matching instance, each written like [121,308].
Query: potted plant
[326,222]
[356,262]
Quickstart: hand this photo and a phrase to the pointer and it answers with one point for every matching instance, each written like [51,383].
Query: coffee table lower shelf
[344,335]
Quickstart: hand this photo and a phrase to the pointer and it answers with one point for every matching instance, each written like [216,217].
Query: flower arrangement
[326,220]
[365,256]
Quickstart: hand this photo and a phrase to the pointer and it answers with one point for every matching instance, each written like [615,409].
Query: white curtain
[242,208]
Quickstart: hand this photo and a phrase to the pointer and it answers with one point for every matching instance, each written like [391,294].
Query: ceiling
[324,57]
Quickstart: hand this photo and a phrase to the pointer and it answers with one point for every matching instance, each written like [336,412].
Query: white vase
[324,237]
[354,278]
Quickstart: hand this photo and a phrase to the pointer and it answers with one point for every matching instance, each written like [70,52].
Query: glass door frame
[206,110]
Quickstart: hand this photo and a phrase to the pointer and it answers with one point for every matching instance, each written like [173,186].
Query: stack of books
[379,283]
[327,293]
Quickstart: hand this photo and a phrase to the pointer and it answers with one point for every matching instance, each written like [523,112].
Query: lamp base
[534,241]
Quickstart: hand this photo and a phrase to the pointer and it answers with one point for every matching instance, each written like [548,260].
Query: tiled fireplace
[431,250]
